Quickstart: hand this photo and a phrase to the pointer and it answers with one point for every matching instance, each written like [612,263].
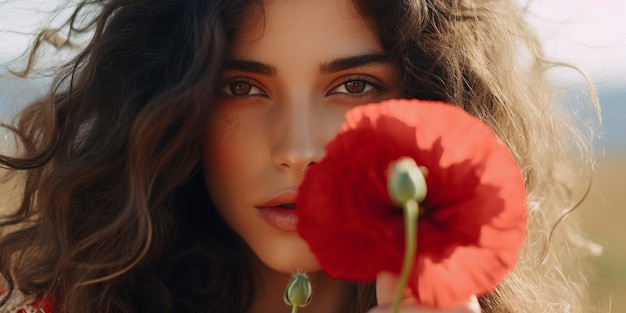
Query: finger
[473,305]
[386,284]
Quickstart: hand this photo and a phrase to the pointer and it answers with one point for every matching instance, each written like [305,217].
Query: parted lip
[285,199]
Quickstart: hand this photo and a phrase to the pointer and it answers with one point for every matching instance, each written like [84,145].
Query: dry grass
[9,194]
[604,220]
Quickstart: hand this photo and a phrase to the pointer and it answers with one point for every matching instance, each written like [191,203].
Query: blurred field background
[604,216]
[603,213]
[590,34]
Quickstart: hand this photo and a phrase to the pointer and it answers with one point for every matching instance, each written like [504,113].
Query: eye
[241,88]
[355,87]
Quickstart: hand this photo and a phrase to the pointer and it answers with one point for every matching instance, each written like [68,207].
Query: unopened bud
[406,182]
[298,291]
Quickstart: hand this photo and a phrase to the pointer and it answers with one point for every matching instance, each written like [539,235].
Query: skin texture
[264,140]
[274,118]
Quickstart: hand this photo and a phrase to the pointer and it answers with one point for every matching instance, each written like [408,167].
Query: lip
[276,215]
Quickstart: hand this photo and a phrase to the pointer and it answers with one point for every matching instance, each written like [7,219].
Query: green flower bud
[406,182]
[298,291]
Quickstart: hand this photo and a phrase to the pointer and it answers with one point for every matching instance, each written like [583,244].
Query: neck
[328,295]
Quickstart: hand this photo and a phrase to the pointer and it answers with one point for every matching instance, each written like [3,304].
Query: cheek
[221,125]
[217,154]
[230,159]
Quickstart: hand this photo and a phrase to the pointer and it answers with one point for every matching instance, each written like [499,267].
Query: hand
[385,289]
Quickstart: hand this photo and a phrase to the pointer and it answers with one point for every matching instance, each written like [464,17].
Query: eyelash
[227,85]
[361,79]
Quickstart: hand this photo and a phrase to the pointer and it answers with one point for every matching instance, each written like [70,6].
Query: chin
[289,258]
[293,266]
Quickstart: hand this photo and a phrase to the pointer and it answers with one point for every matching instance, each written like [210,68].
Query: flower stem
[411,211]
[294,309]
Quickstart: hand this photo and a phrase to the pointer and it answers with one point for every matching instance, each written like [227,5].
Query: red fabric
[44,304]
[474,217]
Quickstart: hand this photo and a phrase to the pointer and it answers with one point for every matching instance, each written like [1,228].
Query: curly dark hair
[115,216]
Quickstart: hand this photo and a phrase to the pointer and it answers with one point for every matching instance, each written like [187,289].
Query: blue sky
[590,34]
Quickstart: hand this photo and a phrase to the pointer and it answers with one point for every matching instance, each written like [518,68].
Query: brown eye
[355,86]
[239,88]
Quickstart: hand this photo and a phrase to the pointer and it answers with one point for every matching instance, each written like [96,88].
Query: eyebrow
[337,65]
[250,67]
[343,64]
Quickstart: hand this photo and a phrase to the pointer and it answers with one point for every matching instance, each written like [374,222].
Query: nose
[300,138]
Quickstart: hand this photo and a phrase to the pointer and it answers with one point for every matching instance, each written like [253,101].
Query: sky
[20,20]
[590,34]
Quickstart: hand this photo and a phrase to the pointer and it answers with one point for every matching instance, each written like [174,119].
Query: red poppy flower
[472,221]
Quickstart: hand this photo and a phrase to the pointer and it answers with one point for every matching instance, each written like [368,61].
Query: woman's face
[293,72]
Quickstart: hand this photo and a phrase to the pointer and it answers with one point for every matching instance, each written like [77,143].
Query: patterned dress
[23,304]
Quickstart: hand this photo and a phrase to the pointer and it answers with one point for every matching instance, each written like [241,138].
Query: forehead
[290,28]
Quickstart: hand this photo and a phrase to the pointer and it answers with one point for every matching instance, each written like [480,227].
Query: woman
[148,166]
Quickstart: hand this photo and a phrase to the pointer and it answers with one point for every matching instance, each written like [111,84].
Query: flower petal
[474,215]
